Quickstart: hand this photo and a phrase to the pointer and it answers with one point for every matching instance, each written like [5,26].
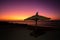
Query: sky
[22,9]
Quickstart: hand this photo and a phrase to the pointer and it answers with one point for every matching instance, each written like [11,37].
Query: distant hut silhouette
[37,17]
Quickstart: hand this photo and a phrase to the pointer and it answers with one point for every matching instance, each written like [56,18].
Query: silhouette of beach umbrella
[37,17]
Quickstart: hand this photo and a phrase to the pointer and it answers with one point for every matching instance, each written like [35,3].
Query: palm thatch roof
[38,17]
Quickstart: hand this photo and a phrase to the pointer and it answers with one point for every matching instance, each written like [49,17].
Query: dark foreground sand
[23,34]
[20,32]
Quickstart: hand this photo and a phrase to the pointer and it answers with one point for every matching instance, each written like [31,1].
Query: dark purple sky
[21,9]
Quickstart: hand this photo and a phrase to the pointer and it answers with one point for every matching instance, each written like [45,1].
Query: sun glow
[12,18]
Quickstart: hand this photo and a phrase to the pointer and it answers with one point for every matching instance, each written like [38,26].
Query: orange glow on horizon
[12,18]
[20,18]
[24,15]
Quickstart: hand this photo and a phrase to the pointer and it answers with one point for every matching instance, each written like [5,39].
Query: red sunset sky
[19,10]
